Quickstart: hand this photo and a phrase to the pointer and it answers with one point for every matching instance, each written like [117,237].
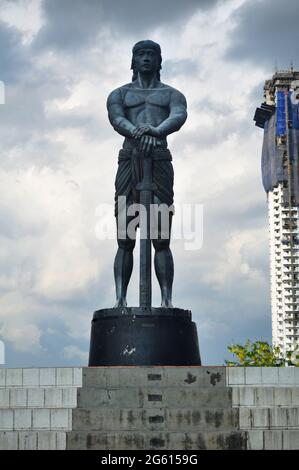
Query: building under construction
[279,117]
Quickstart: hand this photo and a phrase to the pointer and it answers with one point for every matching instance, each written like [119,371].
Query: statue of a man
[145,112]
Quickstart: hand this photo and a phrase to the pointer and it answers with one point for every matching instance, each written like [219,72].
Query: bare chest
[146,99]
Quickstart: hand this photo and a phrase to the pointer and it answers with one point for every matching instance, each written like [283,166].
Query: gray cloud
[173,68]
[73,24]
[266,33]
[133,15]
[24,120]
[204,138]
[13,57]
[69,24]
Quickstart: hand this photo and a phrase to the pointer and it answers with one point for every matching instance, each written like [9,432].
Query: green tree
[261,353]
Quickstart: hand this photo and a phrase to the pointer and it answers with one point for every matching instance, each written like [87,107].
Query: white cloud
[24,336]
[73,352]
[24,15]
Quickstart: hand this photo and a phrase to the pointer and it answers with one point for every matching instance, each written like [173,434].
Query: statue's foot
[120,303]
[166,303]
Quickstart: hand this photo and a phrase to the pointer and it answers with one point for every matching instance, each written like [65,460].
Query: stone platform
[158,408]
[143,336]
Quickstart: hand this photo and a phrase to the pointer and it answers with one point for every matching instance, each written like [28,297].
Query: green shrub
[261,353]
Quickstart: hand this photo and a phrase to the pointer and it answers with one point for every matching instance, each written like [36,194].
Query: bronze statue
[145,112]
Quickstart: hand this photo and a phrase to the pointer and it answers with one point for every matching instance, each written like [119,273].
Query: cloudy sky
[59,59]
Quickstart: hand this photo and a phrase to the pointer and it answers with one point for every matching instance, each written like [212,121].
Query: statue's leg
[163,262]
[123,264]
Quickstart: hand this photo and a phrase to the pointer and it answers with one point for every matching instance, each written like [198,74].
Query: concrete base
[151,408]
[138,336]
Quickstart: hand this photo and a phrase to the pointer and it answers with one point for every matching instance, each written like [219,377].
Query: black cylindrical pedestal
[136,336]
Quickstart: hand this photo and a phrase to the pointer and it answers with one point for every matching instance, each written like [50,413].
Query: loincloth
[129,173]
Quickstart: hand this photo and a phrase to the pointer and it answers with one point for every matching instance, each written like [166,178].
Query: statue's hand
[143,129]
[147,143]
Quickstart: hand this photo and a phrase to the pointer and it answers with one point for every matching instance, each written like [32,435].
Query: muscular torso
[149,106]
[133,107]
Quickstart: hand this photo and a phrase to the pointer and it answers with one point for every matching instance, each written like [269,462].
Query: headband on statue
[147,44]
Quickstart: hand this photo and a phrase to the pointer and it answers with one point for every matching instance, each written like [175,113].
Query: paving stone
[64,376]
[69,397]
[253,375]
[286,375]
[9,440]
[14,377]
[270,375]
[4,398]
[22,419]
[290,439]
[272,440]
[46,440]
[235,376]
[53,397]
[278,417]
[264,396]
[260,417]
[18,397]
[60,440]
[246,396]
[36,397]
[27,440]
[245,418]
[41,419]
[6,420]
[60,419]
[30,377]
[2,377]
[255,440]
[77,376]
[47,376]
[282,396]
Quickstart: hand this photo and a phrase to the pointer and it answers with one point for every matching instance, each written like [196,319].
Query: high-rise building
[279,117]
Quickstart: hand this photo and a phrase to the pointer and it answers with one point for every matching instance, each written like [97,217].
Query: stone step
[152,419]
[273,440]
[265,376]
[56,440]
[41,377]
[212,440]
[35,419]
[38,397]
[110,377]
[32,440]
[265,396]
[171,397]
[271,418]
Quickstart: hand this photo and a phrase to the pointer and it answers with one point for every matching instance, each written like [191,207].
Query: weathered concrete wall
[36,406]
[268,403]
[149,408]
[264,376]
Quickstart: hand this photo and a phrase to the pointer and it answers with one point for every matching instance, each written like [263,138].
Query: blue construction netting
[273,171]
[280,114]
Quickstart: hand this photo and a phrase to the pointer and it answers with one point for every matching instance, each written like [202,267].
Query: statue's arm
[177,115]
[117,116]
